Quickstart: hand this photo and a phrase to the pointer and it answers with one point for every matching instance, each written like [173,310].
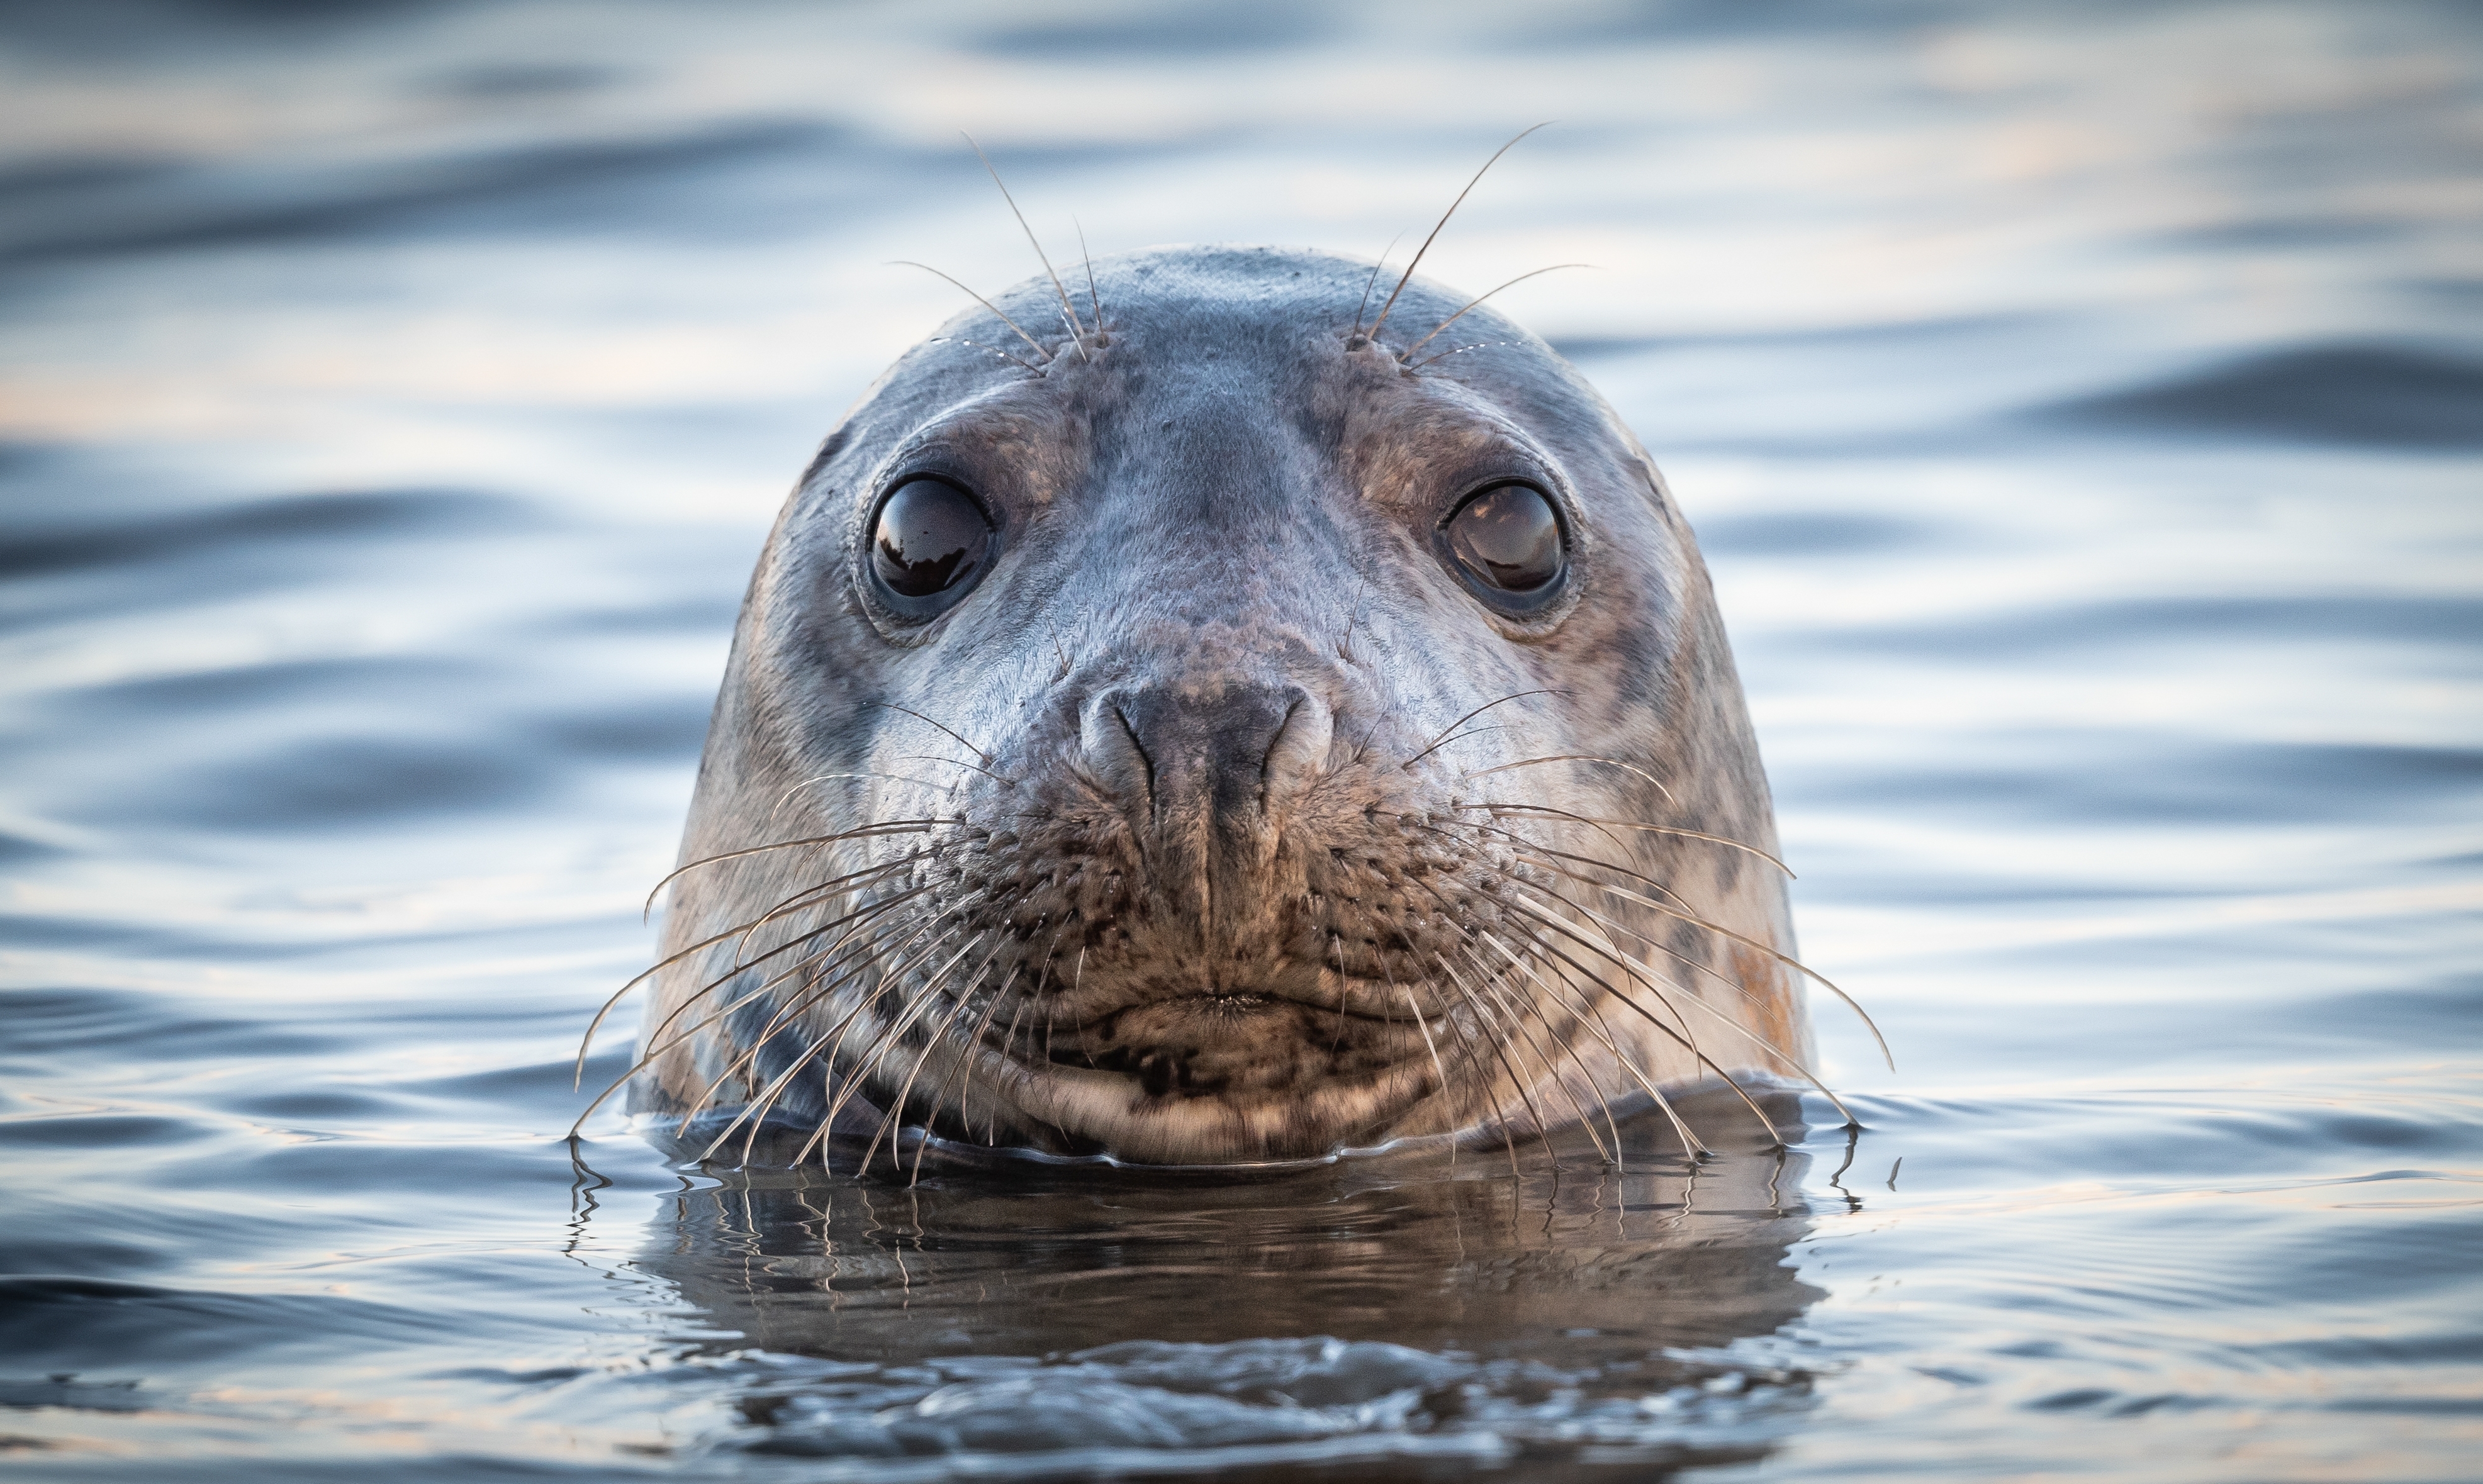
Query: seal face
[1215,738]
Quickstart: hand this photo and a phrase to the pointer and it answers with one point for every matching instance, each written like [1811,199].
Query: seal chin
[1222,1078]
[1111,1113]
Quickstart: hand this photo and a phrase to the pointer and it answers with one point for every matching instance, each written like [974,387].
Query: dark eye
[929,538]
[1507,541]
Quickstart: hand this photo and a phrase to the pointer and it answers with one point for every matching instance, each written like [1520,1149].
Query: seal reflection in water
[1364,1319]
[1235,728]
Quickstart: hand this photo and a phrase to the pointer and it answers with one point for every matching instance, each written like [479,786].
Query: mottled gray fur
[1162,875]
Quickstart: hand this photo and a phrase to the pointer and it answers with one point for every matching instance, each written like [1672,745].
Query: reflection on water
[2077,405]
[1377,1313]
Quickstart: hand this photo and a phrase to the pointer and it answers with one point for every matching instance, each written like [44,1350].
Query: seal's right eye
[928,543]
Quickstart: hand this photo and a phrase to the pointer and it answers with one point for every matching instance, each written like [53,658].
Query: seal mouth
[1212,1078]
[1240,1045]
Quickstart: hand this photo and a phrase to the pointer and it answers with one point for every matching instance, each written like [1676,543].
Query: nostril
[1298,751]
[1112,748]
[1230,753]
[1137,745]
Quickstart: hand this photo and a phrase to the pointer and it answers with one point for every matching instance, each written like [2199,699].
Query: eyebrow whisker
[1478,300]
[1077,331]
[907,262]
[1408,275]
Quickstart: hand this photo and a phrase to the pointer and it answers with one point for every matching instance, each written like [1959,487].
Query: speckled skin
[1171,875]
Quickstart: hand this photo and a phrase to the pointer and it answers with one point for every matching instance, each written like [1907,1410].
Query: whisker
[785,1013]
[1077,331]
[952,913]
[763,1100]
[1690,1142]
[993,350]
[1368,285]
[907,262]
[1748,941]
[816,964]
[932,1042]
[873,1055]
[1007,1052]
[967,1050]
[965,1056]
[1754,1037]
[1521,1023]
[1439,1069]
[803,901]
[843,1029]
[1517,1079]
[1467,1056]
[1618,843]
[863,831]
[1009,1042]
[1407,352]
[1059,651]
[1699,1055]
[1491,1088]
[893,1124]
[1545,859]
[1632,824]
[1679,1036]
[1553,922]
[1515,1016]
[754,1113]
[1615,762]
[1469,716]
[1680,1033]
[828,1063]
[738,966]
[1408,275]
[654,1049]
[587,1041]
[1536,948]
[1353,615]
[1336,961]
[1546,855]
[1461,349]
[786,796]
[1610,924]
[1006,782]
[1602,1033]
[1462,736]
[742,966]
[754,1110]
[1635,972]
[1052,1012]
[1638,972]
[889,706]
[1094,295]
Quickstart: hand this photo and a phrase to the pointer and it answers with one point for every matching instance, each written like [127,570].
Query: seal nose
[1204,766]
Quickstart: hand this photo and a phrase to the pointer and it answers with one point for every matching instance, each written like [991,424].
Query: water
[2082,407]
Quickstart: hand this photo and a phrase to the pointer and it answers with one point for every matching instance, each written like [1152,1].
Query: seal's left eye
[928,543]
[1508,543]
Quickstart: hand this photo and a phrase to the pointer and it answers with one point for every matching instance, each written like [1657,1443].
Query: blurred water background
[2082,409]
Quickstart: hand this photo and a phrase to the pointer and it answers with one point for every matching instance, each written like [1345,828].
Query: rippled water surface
[2082,409]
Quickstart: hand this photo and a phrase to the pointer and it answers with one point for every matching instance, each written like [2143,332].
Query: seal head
[1214,736]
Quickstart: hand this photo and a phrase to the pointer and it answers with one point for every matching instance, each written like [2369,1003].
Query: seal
[1231,727]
